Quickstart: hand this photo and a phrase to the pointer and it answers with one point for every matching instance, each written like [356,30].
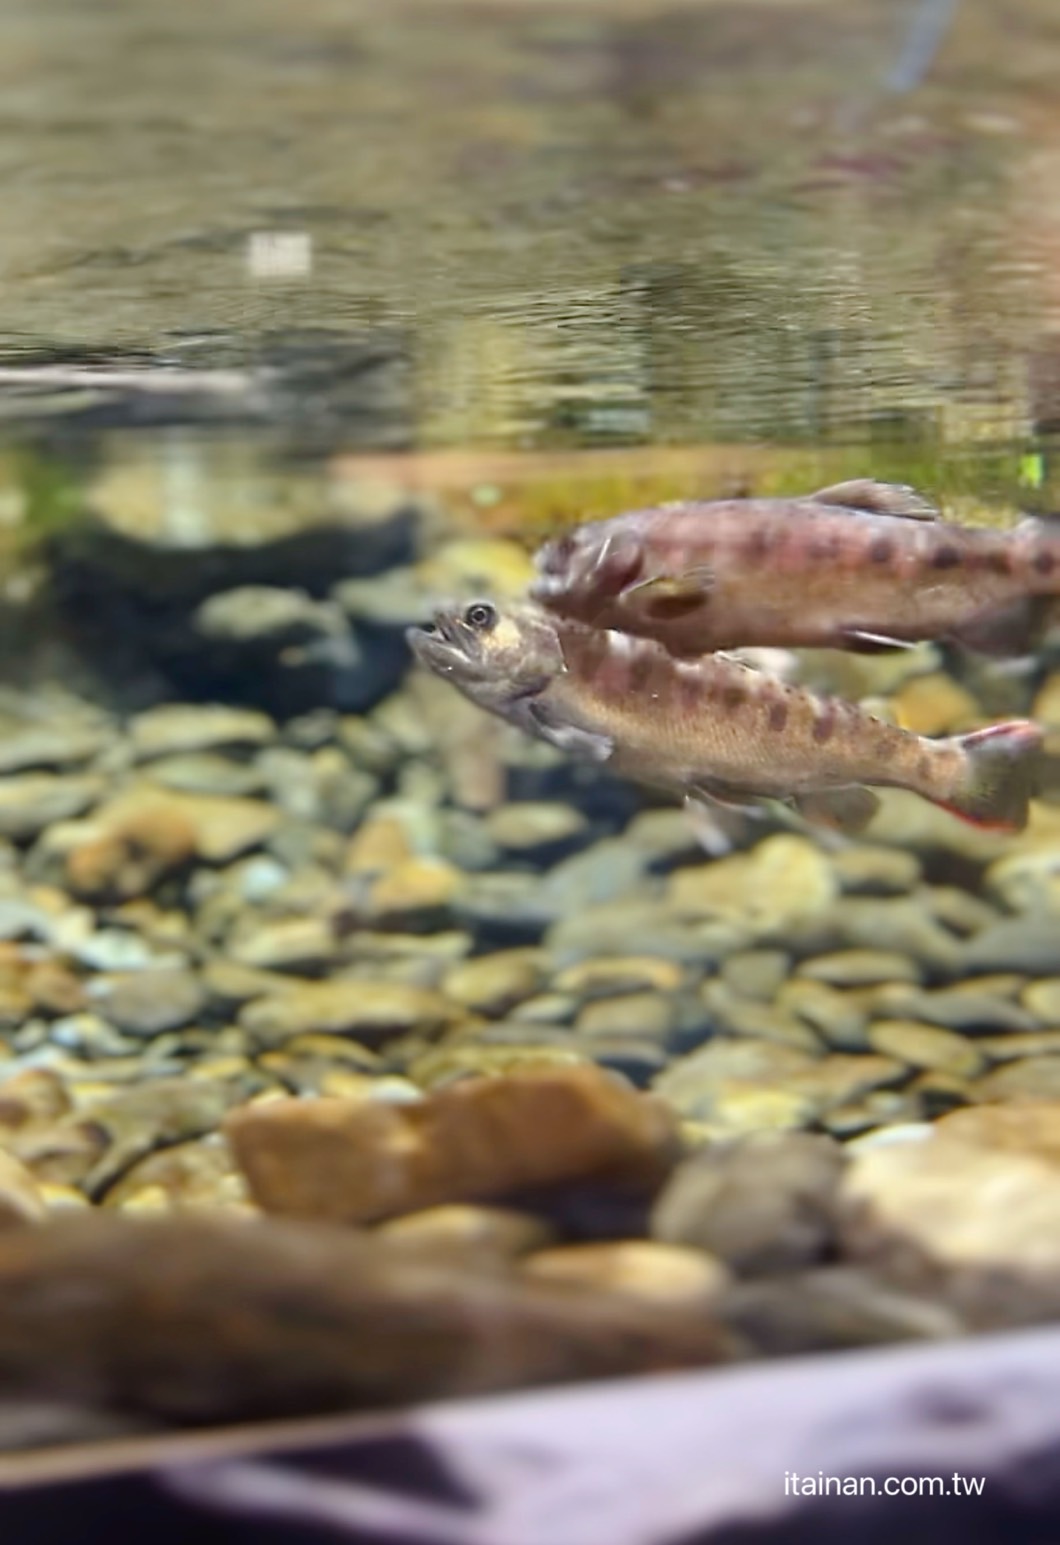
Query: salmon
[715,730]
[861,565]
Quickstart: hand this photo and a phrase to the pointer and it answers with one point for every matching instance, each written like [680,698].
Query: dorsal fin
[864,493]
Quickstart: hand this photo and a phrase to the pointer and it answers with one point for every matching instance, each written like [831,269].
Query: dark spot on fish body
[924,768]
[824,724]
[881,550]
[1043,561]
[946,557]
[689,689]
[997,561]
[757,544]
[734,697]
[778,716]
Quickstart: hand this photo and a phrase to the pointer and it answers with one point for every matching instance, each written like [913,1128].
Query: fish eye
[481,615]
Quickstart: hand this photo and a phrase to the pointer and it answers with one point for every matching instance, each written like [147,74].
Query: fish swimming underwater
[862,566]
[715,729]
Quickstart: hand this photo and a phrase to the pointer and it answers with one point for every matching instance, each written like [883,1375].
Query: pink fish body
[859,566]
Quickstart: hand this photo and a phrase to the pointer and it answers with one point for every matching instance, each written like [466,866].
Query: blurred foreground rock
[210,1321]
[357,1160]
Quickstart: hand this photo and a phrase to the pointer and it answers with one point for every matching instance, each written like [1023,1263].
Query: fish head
[495,657]
[581,571]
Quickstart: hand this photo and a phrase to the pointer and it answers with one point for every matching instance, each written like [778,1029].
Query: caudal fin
[1002,764]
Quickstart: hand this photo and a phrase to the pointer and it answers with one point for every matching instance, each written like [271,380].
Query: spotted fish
[714,729]
[862,565]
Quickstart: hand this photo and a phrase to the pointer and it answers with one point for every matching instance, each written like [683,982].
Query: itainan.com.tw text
[798,1484]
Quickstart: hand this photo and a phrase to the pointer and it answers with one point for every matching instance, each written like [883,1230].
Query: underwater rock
[645,1014]
[614,974]
[764,1203]
[778,888]
[876,871]
[468,1233]
[148,1003]
[20,1196]
[283,944]
[29,802]
[360,1160]
[205,772]
[729,1014]
[839,1017]
[196,1174]
[965,1006]
[934,705]
[831,1309]
[528,1047]
[972,1219]
[663,1274]
[860,968]
[926,1046]
[199,1320]
[536,829]
[419,894]
[221,828]
[738,1085]
[756,974]
[367,1010]
[175,728]
[1033,1078]
[494,984]
[1029,944]
[61,743]
[1042,999]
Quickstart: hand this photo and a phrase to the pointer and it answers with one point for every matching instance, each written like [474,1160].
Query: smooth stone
[860,968]
[58,744]
[967,1006]
[1029,1043]
[925,1046]
[833,1308]
[546,1008]
[783,884]
[89,1036]
[1030,944]
[644,1014]
[1031,1127]
[201,772]
[195,1174]
[358,1160]
[609,929]
[840,1017]
[1027,881]
[245,1319]
[220,828]
[664,836]
[876,871]
[661,1273]
[959,909]
[757,974]
[419,893]
[116,949]
[750,1075]
[730,1014]
[148,1003]
[173,728]
[1033,1078]
[763,1203]
[284,944]
[475,565]
[1042,999]
[461,1230]
[364,1009]
[21,1201]
[534,827]
[495,984]
[610,975]
[502,906]
[603,872]
[30,1098]
[528,1049]
[900,925]
[29,802]
[982,1223]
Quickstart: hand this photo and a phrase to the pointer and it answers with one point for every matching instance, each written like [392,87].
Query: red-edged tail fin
[1002,765]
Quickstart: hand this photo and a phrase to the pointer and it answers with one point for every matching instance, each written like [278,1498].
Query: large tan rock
[360,1160]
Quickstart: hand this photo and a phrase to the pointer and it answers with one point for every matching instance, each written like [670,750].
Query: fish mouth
[443,646]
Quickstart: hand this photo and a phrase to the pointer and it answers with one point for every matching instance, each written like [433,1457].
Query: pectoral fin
[847,810]
[669,596]
[716,822]
[864,493]
[860,642]
[566,736]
